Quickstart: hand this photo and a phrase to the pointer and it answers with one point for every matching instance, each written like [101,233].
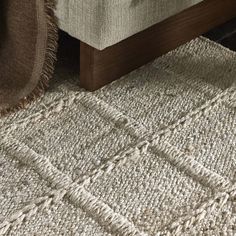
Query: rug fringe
[49,63]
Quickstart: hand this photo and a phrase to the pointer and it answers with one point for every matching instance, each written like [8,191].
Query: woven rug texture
[151,154]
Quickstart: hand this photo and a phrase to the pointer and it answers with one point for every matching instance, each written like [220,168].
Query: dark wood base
[98,68]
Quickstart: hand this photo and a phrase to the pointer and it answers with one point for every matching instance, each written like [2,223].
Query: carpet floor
[151,154]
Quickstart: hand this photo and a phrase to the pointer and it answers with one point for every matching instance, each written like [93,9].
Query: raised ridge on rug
[151,154]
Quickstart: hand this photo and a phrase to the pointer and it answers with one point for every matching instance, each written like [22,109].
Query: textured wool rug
[151,154]
[28,43]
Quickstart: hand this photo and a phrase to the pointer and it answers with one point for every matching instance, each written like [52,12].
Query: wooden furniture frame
[98,68]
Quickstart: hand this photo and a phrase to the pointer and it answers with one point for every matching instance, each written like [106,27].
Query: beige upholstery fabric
[102,23]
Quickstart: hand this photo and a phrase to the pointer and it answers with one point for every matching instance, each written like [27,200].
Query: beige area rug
[151,154]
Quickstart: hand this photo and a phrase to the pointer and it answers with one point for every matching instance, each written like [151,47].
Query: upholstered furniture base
[97,68]
[103,23]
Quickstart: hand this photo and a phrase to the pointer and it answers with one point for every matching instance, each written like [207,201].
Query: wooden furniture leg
[98,68]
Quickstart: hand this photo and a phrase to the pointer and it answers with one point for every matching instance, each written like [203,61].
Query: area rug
[151,154]
[28,44]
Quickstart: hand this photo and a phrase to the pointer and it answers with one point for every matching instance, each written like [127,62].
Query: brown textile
[28,43]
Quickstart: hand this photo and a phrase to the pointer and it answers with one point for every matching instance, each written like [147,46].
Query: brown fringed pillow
[28,43]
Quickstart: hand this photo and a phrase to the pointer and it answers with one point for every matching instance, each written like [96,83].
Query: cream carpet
[151,154]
